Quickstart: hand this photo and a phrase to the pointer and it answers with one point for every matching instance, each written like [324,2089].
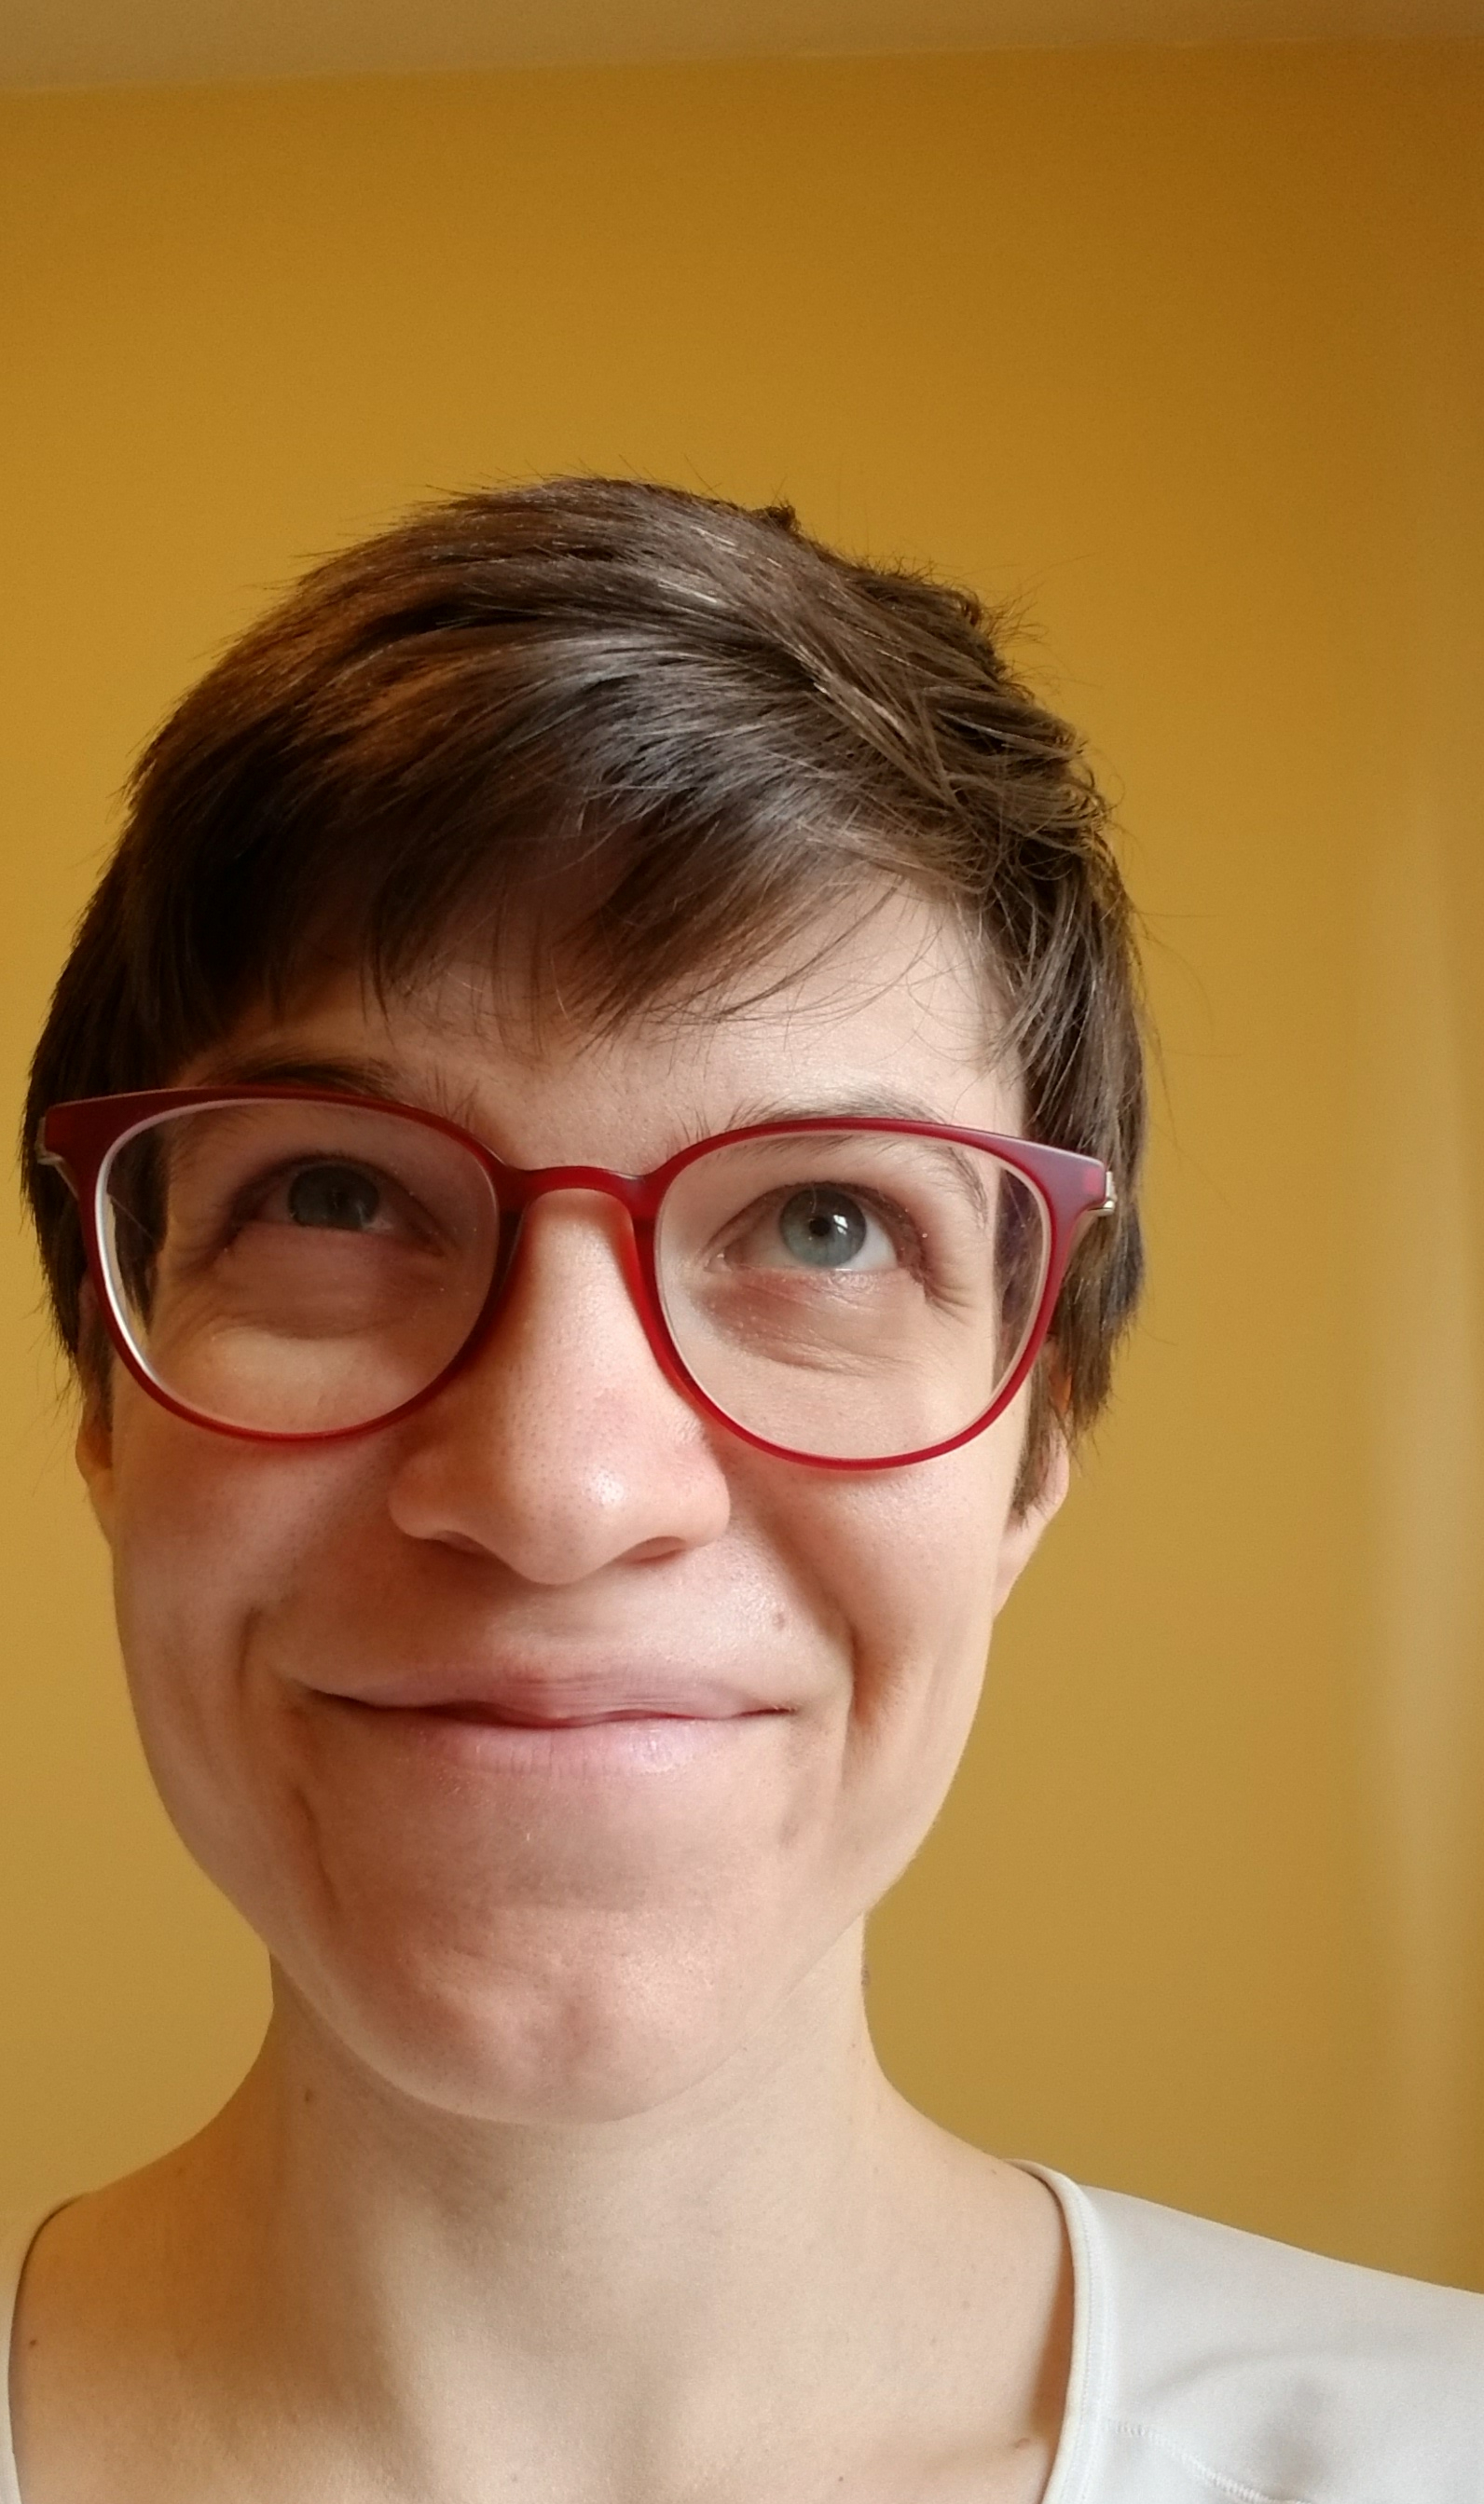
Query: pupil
[823,1228]
[333,1196]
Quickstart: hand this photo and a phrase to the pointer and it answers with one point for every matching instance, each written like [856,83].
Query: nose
[562,1447]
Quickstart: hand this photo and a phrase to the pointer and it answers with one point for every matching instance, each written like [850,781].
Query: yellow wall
[1185,346]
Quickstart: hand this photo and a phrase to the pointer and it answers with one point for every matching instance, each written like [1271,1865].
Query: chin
[605,2031]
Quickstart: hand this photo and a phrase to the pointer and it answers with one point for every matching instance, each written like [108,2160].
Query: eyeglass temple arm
[1087,1217]
[46,1156]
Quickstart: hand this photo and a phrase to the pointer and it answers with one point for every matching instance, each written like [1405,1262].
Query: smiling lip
[570,1701]
[612,1743]
[490,1718]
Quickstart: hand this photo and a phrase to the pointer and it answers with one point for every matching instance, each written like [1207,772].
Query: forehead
[886,1010]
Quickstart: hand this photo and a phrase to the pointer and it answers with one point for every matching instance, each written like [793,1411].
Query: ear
[1022,1532]
[95,1446]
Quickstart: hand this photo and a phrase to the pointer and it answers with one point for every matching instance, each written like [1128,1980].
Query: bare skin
[567,2169]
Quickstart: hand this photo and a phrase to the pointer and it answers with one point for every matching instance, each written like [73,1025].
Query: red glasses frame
[80,1137]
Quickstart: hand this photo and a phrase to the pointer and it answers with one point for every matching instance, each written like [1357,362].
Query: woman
[586,1155]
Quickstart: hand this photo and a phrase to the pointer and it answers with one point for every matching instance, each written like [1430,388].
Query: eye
[832,1229]
[344,1197]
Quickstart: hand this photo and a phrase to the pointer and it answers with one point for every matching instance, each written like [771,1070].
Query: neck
[573,2238]
[653,2306]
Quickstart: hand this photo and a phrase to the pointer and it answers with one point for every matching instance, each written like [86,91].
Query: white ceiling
[104,43]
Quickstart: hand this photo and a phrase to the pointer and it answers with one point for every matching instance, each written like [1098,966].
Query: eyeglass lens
[300,1269]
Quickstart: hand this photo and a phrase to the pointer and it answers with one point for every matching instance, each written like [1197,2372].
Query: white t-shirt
[1213,2367]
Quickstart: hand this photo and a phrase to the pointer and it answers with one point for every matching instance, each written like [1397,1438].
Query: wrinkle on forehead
[888,1016]
[894,944]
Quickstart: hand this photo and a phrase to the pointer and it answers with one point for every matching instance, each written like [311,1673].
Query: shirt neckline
[1087,2374]
[1066,2483]
[17,2235]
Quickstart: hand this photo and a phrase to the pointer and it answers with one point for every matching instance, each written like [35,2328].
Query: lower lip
[627,1744]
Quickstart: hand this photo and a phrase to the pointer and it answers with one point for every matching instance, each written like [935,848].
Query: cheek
[208,1533]
[209,1538]
[906,1564]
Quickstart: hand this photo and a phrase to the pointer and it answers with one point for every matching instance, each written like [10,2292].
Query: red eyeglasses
[293,1265]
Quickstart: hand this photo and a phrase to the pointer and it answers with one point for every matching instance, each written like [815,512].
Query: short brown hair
[698,720]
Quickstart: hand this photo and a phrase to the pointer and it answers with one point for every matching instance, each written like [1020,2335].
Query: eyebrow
[880,1104]
[386,1082]
[340,1074]
[364,1075]
[875,1104]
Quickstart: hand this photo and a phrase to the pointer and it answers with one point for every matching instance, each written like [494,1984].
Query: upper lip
[559,1699]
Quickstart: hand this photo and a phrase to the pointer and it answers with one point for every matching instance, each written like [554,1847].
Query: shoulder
[17,2236]
[1218,2365]
[17,2232]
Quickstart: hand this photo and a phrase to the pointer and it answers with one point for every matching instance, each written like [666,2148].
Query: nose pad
[510,1236]
[506,1241]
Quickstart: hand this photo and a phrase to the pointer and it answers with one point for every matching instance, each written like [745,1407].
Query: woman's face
[570,1922]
